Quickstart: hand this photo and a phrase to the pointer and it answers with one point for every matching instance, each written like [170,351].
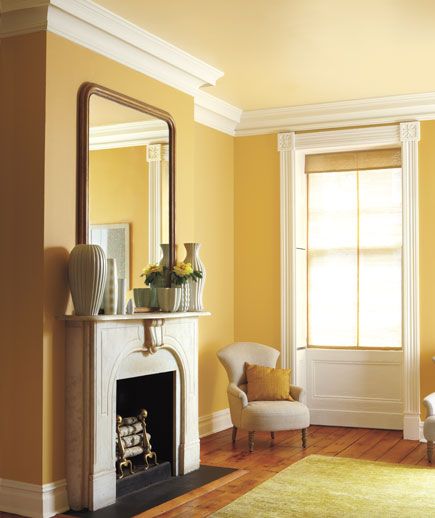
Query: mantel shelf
[155,315]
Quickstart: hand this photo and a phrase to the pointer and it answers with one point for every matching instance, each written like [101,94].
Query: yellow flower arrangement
[182,272]
[152,273]
[183,269]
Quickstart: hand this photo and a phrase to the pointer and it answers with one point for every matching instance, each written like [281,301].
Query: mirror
[126,180]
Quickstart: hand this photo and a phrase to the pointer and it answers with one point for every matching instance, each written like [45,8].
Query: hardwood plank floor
[270,458]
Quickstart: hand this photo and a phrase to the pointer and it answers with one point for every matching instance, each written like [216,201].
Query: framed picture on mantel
[114,239]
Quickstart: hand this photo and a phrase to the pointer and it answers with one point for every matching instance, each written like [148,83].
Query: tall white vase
[111,289]
[196,288]
[87,272]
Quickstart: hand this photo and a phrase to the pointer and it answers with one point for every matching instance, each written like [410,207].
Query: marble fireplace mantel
[103,349]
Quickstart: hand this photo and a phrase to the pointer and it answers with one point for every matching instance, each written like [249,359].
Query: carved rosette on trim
[410,131]
[286,141]
[154,152]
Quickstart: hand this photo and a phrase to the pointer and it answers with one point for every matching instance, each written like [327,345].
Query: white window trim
[293,148]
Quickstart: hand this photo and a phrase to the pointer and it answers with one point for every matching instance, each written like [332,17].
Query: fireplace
[154,393]
[108,357]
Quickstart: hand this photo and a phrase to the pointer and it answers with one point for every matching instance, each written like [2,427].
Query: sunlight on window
[354,258]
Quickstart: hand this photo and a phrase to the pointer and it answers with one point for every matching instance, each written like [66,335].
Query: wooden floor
[267,459]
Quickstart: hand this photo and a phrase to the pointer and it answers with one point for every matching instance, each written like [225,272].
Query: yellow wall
[118,193]
[427,256]
[22,121]
[214,229]
[68,66]
[256,240]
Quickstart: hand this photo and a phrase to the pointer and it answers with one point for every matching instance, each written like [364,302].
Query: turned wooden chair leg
[251,441]
[304,438]
[272,436]
[429,451]
[233,438]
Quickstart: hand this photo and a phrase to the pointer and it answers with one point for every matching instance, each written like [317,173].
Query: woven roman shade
[353,161]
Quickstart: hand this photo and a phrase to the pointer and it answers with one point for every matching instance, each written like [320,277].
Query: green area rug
[340,487]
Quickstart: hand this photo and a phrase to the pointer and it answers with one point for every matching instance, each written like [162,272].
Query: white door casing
[304,362]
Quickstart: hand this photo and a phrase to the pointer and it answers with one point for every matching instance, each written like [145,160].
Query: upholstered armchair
[429,424]
[259,416]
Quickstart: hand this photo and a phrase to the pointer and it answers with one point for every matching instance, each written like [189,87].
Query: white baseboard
[215,422]
[411,427]
[356,419]
[32,499]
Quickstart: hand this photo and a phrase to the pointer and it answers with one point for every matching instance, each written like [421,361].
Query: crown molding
[94,27]
[216,113]
[87,24]
[361,112]
[127,134]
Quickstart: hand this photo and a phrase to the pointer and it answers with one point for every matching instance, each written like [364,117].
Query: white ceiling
[293,52]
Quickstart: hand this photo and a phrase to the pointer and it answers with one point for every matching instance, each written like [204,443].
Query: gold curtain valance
[354,160]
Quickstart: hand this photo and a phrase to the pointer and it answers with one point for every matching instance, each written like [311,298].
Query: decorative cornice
[216,113]
[361,112]
[127,134]
[96,28]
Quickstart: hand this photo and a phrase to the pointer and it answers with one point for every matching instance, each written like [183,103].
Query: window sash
[354,323]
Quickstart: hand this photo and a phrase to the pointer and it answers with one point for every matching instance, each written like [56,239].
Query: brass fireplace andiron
[132,440]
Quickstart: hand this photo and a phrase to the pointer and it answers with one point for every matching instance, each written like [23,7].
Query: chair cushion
[267,383]
[272,416]
[429,429]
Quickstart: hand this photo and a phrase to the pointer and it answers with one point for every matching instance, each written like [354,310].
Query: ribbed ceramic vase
[185,297]
[111,290]
[196,288]
[87,273]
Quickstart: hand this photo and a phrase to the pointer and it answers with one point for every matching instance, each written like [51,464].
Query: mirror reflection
[128,186]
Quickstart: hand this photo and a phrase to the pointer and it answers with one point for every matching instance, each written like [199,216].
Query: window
[354,250]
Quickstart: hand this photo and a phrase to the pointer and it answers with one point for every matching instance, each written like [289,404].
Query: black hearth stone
[144,499]
[143,478]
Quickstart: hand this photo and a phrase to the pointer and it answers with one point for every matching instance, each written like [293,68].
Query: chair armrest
[233,390]
[429,403]
[296,392]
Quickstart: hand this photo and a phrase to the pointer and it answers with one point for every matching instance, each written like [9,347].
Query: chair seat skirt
[429,429]
[273,416]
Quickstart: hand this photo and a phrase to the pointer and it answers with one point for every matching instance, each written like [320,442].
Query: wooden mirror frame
[86,90]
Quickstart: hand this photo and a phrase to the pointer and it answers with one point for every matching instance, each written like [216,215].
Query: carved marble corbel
[153,335]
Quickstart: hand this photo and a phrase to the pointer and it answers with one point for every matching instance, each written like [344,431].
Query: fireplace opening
[154,393]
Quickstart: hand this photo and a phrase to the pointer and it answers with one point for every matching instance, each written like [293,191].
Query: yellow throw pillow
[267,384]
